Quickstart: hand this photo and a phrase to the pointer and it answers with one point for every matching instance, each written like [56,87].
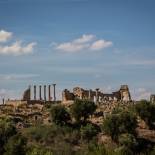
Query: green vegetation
[59,115]
[82,109]
[79,136]
[118,123]
[146,111]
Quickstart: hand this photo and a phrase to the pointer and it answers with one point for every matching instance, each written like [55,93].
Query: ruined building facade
[46,96]
[152,98]
[123,94]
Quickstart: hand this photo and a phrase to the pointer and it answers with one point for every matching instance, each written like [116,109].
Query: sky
[87,43]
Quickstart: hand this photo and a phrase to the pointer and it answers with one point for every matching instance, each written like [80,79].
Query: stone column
[49,92]
[45,92]
[34,92]
[89,95]
[54,92]
[40,93]
[30,92]
[3,101]
[97,97]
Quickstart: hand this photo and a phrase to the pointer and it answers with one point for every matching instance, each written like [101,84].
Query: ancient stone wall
[67,95]
[152,98]
[99,97]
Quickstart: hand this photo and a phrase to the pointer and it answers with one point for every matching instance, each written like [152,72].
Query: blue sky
[87,43]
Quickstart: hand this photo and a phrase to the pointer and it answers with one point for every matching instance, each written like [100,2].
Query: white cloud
[141,93]
[71,47]
[85,38]
[100,44]
[5,36]
[17,49]
[86,42]
[17,76]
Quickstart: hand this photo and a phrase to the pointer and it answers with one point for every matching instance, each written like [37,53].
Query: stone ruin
[152,98]
[28,96]
[123,94]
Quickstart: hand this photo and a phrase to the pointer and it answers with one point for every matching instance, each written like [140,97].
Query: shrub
[16,145]
[7,129]
[36,150]
[89,131]
[128,140]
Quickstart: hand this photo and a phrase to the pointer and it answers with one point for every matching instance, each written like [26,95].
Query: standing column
[54,92]
[3,101]
[97,98]
[89,96]
[45,92]
[49,92]
[40,92]
[34,92]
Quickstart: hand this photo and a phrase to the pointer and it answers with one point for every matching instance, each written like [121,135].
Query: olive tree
[82,109]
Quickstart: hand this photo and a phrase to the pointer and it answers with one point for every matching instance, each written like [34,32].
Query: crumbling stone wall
[67,95]
[152,98]
[99,97]
[27,95]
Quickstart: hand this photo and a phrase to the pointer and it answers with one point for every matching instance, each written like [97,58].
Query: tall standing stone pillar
[89,95]
[29,92]
[97,97]
[40,93]
[45,92]
[3,101]
[34,92]
[49,92]
[54,92]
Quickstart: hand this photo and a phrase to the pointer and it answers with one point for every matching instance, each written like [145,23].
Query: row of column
[45,93]
[96,95]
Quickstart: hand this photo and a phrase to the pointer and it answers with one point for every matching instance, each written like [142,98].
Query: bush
[7,129]
[36,150]
[16,145]
[89,131]
[123,150]
[128,140]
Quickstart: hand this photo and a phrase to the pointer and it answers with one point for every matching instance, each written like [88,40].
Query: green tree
[16,145]
[82,109]
[59,115]
[116,124]
[146,111]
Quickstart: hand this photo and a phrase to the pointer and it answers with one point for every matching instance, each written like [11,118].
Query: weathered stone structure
[27,94]
[67,96]
[152,98]
[97,96]
[125,94]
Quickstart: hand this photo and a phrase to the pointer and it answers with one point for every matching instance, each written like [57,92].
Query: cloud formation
[16,48]
[5,36]
[85,42]
[17,76]
[141,93]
